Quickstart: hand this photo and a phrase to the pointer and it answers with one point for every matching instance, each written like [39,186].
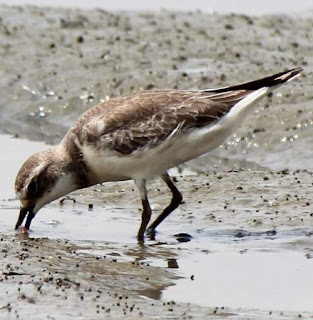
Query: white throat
[64,185]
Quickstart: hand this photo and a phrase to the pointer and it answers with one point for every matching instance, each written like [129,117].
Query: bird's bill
[23,213]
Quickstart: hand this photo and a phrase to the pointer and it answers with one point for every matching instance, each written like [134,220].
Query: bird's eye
[32,188]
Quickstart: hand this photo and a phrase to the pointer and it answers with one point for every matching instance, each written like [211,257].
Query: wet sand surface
[249,254]
[248,207]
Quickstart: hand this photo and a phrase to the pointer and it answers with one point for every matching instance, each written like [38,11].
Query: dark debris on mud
[48,278]
[56,63]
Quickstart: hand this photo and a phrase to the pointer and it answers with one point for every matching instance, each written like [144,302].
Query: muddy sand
[239,247]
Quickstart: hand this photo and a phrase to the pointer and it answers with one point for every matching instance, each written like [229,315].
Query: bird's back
[147,118]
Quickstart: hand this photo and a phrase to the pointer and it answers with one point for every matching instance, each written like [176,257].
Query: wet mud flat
[249,254]
[57,63]
[247,211]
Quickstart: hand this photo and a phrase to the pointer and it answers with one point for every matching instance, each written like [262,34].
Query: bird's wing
[129,123]
[134,122]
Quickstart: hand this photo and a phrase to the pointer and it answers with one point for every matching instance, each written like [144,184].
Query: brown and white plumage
[136,137]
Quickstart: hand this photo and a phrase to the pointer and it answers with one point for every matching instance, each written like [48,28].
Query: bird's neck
[73,165]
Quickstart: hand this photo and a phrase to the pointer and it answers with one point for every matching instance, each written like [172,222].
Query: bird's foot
[151,233]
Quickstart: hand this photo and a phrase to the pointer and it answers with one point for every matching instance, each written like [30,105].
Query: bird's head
[42,178]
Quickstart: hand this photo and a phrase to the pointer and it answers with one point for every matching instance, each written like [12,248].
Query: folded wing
[145,119]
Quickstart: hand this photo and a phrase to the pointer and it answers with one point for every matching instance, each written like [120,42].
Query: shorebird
[136,137]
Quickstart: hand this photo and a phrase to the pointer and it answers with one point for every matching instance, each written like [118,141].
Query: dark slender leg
[175,202]
[146,210]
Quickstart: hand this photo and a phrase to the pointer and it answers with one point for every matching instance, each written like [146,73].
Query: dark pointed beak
[22,216]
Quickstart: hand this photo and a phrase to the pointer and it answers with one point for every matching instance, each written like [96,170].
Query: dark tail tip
[274,80]
[271,81]
[286,75]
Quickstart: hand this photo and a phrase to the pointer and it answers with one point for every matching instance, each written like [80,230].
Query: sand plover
[135,137]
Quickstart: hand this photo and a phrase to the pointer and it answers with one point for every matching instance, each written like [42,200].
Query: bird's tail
[271,81]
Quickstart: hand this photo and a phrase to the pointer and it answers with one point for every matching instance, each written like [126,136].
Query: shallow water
[276,281]
[248,268]
[250,228]
[14,154]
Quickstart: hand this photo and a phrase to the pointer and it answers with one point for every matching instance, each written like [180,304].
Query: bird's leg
[175,202]
[146,209]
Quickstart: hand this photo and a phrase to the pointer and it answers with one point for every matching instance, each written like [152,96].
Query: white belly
[108,165]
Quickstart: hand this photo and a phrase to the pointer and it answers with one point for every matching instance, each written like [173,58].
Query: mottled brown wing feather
[139,120]
[133,122]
